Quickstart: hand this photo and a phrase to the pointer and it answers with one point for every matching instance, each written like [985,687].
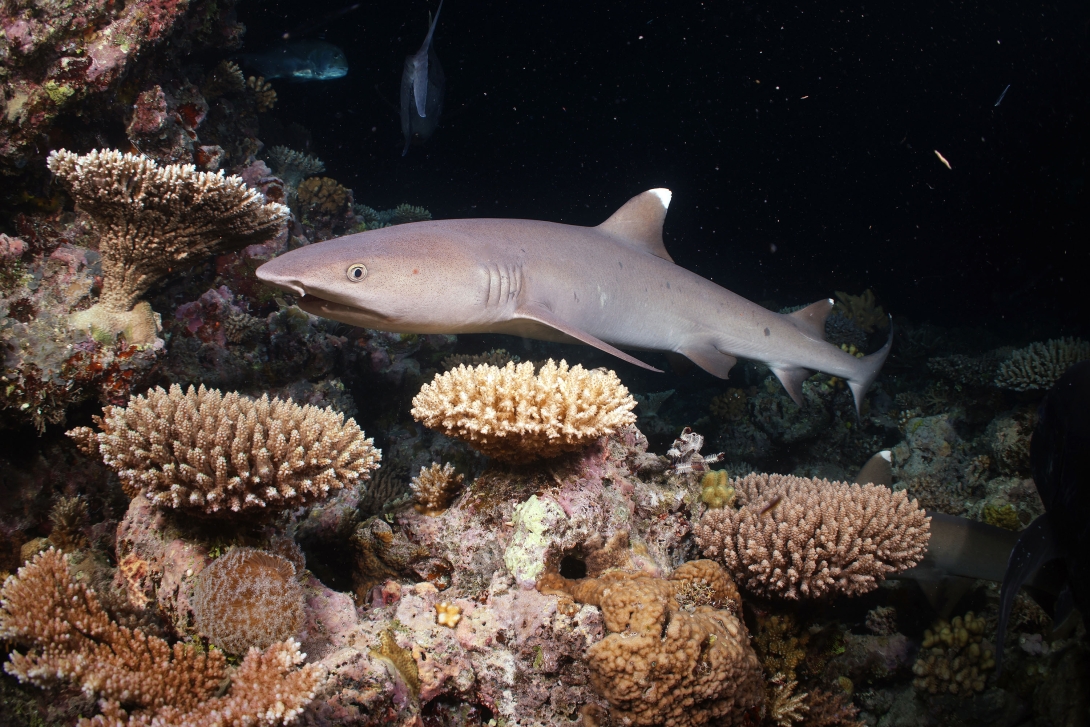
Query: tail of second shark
[869,366]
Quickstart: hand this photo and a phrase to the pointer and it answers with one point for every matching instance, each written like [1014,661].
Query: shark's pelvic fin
[710,359]
[638,223]
[792,379]
[811,319]
[541,314]
[872,364]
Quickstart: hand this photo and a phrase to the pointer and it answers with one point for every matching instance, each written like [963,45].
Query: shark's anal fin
[541,314]
[711,360]
[811,319]
[792,379]
[638,223]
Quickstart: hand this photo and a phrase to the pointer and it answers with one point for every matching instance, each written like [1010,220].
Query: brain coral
[210,453]
[795,537]
[676,655]
[248,598]
[511,414]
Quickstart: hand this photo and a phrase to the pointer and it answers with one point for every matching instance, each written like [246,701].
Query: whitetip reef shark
[612,286]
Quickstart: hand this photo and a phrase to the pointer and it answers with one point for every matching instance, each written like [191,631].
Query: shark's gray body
[611,286]
[423,85]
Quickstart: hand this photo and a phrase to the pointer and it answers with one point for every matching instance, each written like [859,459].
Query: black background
[562,111]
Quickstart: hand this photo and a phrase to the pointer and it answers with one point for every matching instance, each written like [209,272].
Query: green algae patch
[533,521]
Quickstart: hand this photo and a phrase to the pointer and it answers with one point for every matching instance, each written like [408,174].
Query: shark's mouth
[354,315]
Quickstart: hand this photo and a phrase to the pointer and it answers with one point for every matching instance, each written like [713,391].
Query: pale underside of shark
[612,286]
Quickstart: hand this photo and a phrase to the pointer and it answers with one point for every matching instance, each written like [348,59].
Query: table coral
[514,415]
[152,219]
[664,664]
[140,679]
[796,537]
[213,454]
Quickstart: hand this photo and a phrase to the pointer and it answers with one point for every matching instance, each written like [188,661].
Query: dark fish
[1002,95]
[302,60]
[422,87]
[1060,455]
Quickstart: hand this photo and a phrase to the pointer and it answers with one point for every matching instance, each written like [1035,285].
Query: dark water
[799,141]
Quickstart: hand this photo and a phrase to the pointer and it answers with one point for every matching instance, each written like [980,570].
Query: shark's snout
[268,273]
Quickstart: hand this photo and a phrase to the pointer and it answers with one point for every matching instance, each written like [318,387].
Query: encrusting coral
[512,415]
[152,219]
[795,537]
[209,453]
[435,487]
[248,598]
[1040,365]
[676,654]
[141,679]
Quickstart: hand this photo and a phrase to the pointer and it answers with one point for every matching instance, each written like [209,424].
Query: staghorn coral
[662,664]
[293,166]
[208,453]
[1040,365]
[861,310]
[435,487]
[797,537]
[248,598]
[953,657]
[69,518]
[264,95]
[322,195]
[784,706]
[510,414]
[151,219]
[140,679]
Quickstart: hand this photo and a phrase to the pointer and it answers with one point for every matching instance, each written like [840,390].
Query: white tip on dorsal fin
[811,319]
[639,222]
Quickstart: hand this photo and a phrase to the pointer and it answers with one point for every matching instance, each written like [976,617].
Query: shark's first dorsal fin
[811,319]
[638,223]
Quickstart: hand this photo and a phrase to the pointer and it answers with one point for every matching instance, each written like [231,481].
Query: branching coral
[796,537]
[1040,365]
[152,219]
[498,357]
[435,487]
[953,658]
[264,94]
[140,679]
[248,598]
[667,664]
[511,414]
[210,453]
[293,166]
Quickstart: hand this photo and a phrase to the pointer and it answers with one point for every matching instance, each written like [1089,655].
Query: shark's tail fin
[869,366]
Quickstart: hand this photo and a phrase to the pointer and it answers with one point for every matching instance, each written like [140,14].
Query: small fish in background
[942,159]
[301,60]
[1002,95]
[422,87]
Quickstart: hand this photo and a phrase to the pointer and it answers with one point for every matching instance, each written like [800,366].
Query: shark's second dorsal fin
[811,319]
[639,222]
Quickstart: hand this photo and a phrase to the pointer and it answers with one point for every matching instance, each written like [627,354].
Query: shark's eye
[357,272]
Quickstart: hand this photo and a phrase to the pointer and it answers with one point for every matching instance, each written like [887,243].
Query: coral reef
[293,166]
[140,679]
[665,664]
[435,487]
[150,219]
[248,598]
[514,415]
[861,310]
[322,195]
[1040,365]
[208,453]
[796,537]
[953,657]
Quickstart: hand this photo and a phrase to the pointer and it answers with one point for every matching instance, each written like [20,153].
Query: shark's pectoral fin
[541,314]
[711,360]
[792,379]
[811,319]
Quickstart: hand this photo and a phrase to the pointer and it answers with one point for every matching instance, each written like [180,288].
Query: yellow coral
[322,194]
[954,658]
[511,414]
[1002,516]
[862,310]
[448,614]
[715,489]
